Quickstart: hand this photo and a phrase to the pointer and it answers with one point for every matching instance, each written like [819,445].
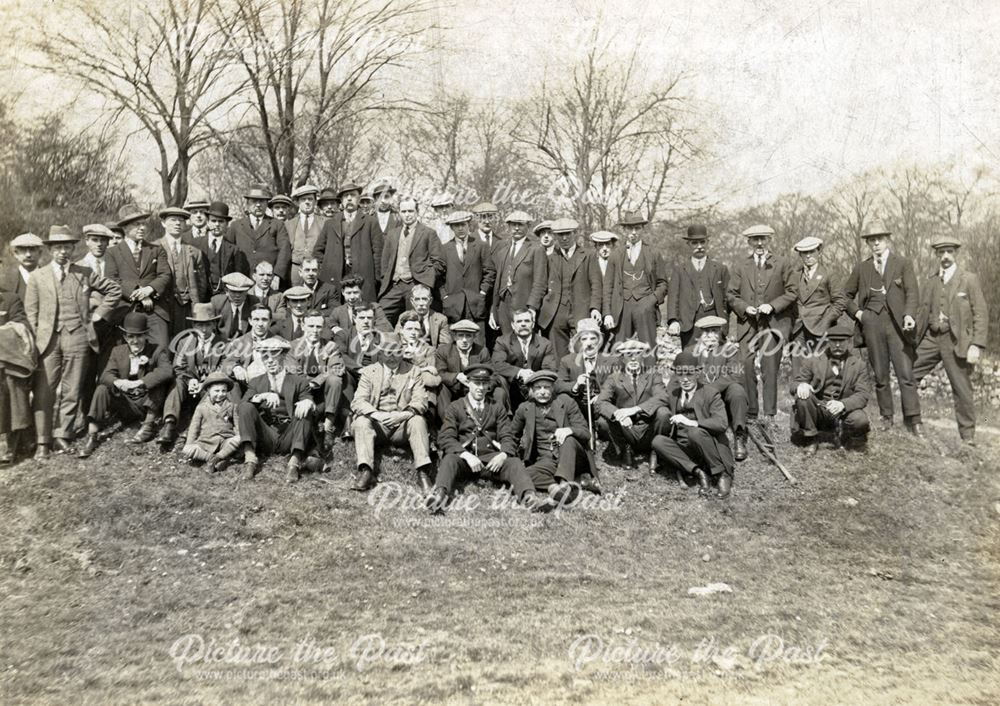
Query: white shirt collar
[569,253]
[949,272]
[24,273]
[131,244]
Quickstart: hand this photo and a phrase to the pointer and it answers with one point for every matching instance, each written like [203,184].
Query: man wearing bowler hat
[573,293]
[62,314]
[133,386]
[883,295]
[260,236]
[385,218]
[952,330]
[188,265]
[639,285]
[762,291]
[27,249]
[346,246]
[304,228]
[328,203]
[469,275]
[222,255]
[142,270]
[697,287]
[818,305]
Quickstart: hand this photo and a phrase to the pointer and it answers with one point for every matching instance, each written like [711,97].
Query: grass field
[129,578]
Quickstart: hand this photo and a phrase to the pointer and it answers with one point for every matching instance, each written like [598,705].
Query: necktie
[760,263]
[460,247]
[215,245]
[942,277]
[137,254]
[60,274]
[684,400]
[878,264]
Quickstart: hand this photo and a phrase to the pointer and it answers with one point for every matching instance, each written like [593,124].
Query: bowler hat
[258,192]
[219,210]
[60,234]
[135,322]
[130,213]
[631,218]
[696,232]
[327,195]
[216,378]
[686,359]
[203,313]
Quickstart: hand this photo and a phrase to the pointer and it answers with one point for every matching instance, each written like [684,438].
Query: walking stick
[767,449]
[590,418]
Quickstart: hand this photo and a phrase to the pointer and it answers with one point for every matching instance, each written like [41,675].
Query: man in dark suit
[384,219]
[639,285]
[142,270]
[697,288]
[222,255]
[522,274]
[319,360]
[342,317]
[242,360]
[27,249]
[234,306]
[520,353]
[322,295]
[290,325]
[883,294]
[469,274]
[411,255]
[434,327]
[573,294]
[263,289]
[584,369]
[762,291]
[952,330]
[348,246]
[602,273]
[197,226]
[831,392]
[261,237]
[359,346]
[189,268]
[451,360]
[818,305]
[15,376]
[695,441]
[304,228]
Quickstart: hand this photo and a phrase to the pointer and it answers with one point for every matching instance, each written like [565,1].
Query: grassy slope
[107,562]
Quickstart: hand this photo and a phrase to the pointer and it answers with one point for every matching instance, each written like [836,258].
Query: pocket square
[898,281]
[962,294]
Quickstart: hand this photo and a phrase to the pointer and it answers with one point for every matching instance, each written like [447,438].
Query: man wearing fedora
[197,353]
[188,265]
[62,315]
[697,287]
[27,249]
[762,291]
[133,386]
[522,274]
[142,270]
[411,255]
[346,246]
[469,274]
[261,237]
[638,287]
[573,293]
[952,330]
[222,255]
[303,228]
[234,305]
[883,295]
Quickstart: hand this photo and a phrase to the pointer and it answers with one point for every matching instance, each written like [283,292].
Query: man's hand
[908,323]
[303,408]
[493,322]
[494,465]
[626,423]
[972,355]
[674,329]
[269,400]
[751,311]
[475,465]
[581,381]
[595,315]
[834,407]
[240,373]
[338,370]
[462,379]
[189,450]
[563,433]
[336,329]
[609,321]
[860,313]
[765,310]
[95,317]
[381,417]
[126,385]
[683,420]
[194,387]
[523,374]
[623,413]
[803,391]
[147,304]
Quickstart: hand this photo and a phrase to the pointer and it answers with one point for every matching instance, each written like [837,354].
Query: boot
[145,434]
[725,485]
[740,452]
[426,485]
[436,501]
[329,439]
[702,478]
[89,446]
[628,459]
[168,434]
[652,463]
[6,453]
[366,479]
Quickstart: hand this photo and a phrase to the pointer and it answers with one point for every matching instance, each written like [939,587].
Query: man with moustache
[522,274]
[411,255]
[261,237]
[572,293]
[584,369]
[27,249]
[520,353]
[281,208]
[328,203]
[188,266]
[883,295]
[304,228]
[346,246]
[469,275]
[223,256]
[697,287]
[639,285]
[952,330]
[818,305]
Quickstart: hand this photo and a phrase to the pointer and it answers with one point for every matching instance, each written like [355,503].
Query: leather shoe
[702,478]
[329,439]
[628,459]
[589,483]
[426,485]
[168,434]
[917,430]
[42,452]
[725,485]
[886,424]
[249,470]
[436,501]
[811,449]
[535,504]
[740,453]
[612,457]
[145,434]
[292,473]
[365,481]
[652,463]
[60,446]
[89,446]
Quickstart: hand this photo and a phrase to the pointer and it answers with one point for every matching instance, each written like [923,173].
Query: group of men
[332,317]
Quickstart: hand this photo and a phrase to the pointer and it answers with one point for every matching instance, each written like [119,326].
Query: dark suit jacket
[617,392]
[710,413]
[857,390]
[324,300]
[460,433]
[965,309]
[13,307]
[449,363]
[425,260]
[571,367]
[779,289]
[293,388]
[575,276]
[467,285]
[10,281]
[819,302]
[366,253]
[340,317]
[902,294]
[153,271]
[190,363]
[528,276]
[682,292]
[229,259]
[652,266]
[269,242]
[158,371]
[354,358]
[722,365]
[222,307]
[284,328]
[603,280]
[566,414]
[508,358]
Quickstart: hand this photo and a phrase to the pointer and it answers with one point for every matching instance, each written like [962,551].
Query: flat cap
[696,231]
[299,292]
[200,204]
[840,331]
[517,217]
[442,200]
[480,372]
[588,324]
[686,359]
[632,345]
[542,376]
[758,231]
[808,244]
[274,343]
[457,217]
[603,236]
[173,211]
[26,240]
[60,234]
[280,198]
[237,281]
[709,322]
[946,241]
[543,225]
[97,229]
[564,225]
[366,198]
[304,190]
[258,192]
[483,207]
[464,326]
[631,218]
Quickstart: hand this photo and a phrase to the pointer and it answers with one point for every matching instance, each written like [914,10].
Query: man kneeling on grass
[553,440]
[276,415]
[477,438]
[696,441]
[211,436]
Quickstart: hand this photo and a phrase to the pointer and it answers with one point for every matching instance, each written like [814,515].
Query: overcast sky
[797,94]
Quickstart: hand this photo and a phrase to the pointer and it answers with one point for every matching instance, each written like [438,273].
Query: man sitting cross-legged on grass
[389,405]
[477,438]
[211,436]
[831,392]
[133,385]
[696,441]
[320,362]
[276,415]
[553,438]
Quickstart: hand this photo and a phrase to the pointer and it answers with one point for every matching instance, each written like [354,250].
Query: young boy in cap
[818,305]
[697,288]
[211,436]
[552,439]
[234,306]
[133,386]
[695,441]
[722,367]
[477,439]
[831,392]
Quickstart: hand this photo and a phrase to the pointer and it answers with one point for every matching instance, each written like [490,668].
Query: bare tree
[160,62]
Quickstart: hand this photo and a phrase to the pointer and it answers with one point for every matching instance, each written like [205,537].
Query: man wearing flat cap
[291,323]
[443,205]
[487,216]
[234,305]
[304,228]
[697,287]
[261,237]
[222,255]
[819,303]
[411,255]
[188,265]
[469,275]
[522,274]
[573,294]
[602,273]
[281,207]
[639,285]
[883,296]
[546,238]
[830,393]
[62,312]
[762,291]
[348,246]
[952,330]
[451,360]
[27,249]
